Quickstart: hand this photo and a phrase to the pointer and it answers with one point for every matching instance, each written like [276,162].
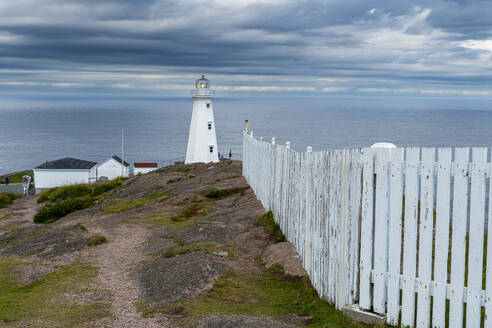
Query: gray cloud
[157,47]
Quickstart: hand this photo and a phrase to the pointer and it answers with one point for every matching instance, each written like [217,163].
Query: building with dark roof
[112,168]
[63,172]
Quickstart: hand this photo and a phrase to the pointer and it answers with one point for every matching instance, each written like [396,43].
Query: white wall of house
[49,178]
[112,169]
[143,170]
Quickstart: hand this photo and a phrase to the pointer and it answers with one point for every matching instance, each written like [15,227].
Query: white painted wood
[342,285]
[476,237]
[488,279]
[410,236]
[367,221]
[425,240]
[442,237]
[319,198]
[459,219]
[394,241]
[381,230]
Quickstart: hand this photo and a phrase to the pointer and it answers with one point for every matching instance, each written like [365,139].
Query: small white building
[202,141]
[64,172]
[144,168]
[112,168]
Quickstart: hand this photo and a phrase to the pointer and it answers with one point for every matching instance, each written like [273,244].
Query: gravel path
[117,260]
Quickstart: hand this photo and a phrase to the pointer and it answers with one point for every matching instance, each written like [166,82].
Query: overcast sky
[157,48]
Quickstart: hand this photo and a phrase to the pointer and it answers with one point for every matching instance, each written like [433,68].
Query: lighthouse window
[211,148]
[208,105]
[210,125]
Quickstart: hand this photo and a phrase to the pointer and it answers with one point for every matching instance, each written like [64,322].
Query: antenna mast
[122,154]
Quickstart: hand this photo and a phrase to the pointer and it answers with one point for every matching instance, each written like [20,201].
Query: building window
[210,125]
[208,105]
[211,148]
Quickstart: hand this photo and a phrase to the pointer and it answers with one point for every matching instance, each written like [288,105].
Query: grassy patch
[198,247]
[187,217]
[45,299]
[17,176]
[270,227]
[128,204]
[68,199]
[184,170]
[79,190]
[176,239]
[55,211]
[7,198]
[271,294]
[96,240]
[222,193]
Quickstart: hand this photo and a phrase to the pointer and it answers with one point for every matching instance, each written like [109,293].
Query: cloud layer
[156,47]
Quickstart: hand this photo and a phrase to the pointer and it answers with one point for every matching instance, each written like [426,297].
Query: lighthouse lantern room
[202,141]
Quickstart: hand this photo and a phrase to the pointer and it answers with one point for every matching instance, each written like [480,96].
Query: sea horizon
[39,129]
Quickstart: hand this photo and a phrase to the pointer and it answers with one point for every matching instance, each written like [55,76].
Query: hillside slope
[179,247]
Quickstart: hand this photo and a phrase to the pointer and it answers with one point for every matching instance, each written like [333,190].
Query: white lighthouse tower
[202,141]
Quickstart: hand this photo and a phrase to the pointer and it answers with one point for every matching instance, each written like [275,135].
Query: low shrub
[96,240]
[7,198]
[68,199]
[63,193]
[222,193]
[270,227]
[100,189]
[55,211]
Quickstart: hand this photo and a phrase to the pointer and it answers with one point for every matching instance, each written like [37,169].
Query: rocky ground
[178,254]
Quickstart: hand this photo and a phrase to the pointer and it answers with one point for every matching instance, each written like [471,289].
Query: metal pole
[122,154]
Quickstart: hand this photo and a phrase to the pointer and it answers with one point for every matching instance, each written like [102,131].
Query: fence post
[307,236]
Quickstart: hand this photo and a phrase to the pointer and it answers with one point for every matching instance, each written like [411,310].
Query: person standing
[230,153]
[7,180]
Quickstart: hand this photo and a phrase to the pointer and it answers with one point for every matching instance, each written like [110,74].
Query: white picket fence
[398,231]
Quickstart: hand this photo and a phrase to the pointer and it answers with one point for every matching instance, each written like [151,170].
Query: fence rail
[402,231]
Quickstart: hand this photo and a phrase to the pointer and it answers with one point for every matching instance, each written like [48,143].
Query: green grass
[79,190]
[44,301]
[65,200]
[7,198]
[270,294]
[96,240]
[55,211]
[128,204]
[187,217]
[176,239]
[222,193]
[206,247]
[16,177]
[271,228]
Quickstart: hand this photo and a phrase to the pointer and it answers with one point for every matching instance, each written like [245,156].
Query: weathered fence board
[381,230]
[394,245]
[410,226]
[476,234]
[425,234]
[366,239]
[460,198]
[441,237]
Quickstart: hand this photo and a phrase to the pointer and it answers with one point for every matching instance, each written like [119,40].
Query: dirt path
[117,260]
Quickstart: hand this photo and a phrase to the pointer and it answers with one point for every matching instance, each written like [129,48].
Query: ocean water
[34,131]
